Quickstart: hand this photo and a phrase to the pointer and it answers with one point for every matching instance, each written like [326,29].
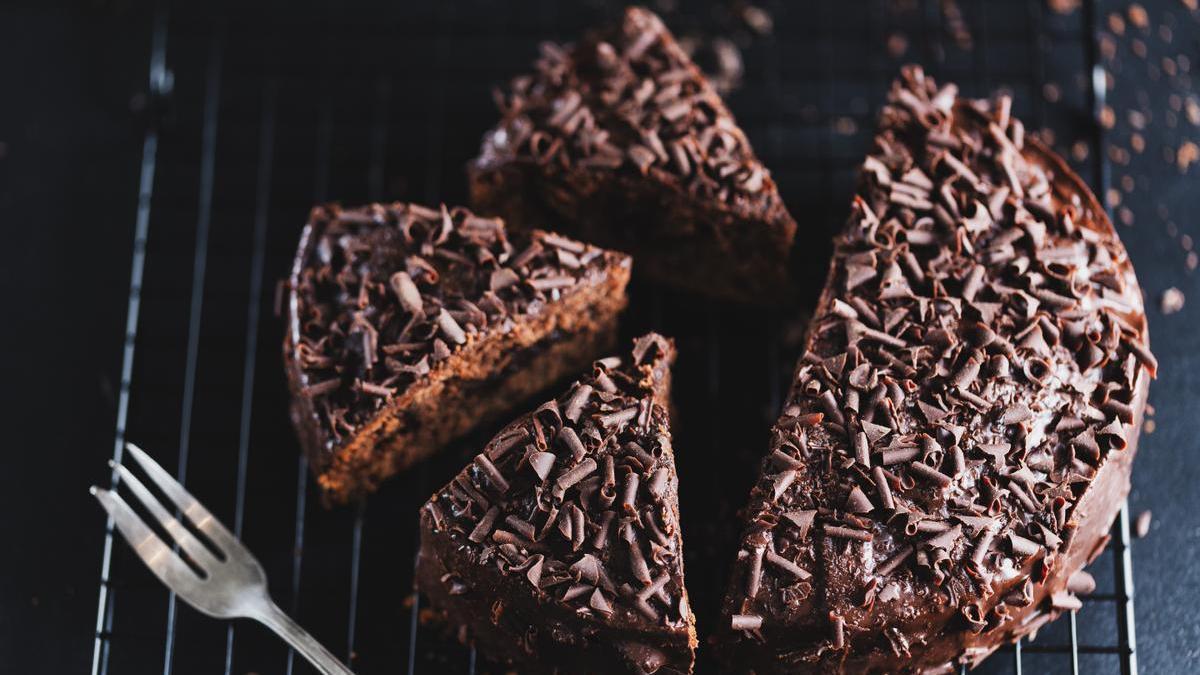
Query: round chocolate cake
[960,430]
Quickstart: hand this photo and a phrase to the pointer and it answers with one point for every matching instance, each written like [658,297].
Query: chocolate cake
[558,548]
[409,325]
[621,140]
[959,433]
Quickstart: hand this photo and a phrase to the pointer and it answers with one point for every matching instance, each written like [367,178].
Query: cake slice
[558,548]
[407,326]
[622,142]
[960,431]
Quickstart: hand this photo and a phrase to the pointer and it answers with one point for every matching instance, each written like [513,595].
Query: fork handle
[275,619]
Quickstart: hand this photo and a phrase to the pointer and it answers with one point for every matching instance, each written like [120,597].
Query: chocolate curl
[746,622]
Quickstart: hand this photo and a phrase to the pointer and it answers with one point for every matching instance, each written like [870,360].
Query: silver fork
[233,584]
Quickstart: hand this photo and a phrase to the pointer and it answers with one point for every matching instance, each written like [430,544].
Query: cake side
[622,140]
[408,326]
[558,548]
[960,432]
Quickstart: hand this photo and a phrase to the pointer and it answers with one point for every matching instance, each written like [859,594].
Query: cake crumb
[1108,117]
[1065,6]
[1142,526]
[1138,16]
[1172,300]
[1149,426]
[758,19]
[1116,24]
[1188,152]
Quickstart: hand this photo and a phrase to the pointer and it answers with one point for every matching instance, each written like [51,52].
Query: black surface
[388,102]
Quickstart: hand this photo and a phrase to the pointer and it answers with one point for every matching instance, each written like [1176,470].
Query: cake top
[973,362]
[577,500]
[629,100]
[383,295]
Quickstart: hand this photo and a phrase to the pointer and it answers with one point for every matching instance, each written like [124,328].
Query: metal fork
[232,584]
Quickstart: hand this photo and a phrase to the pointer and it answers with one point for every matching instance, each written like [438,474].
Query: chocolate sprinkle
[847,533]
[787,565]
[746,622]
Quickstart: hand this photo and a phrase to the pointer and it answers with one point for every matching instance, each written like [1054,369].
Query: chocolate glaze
[558,548]
[960,431]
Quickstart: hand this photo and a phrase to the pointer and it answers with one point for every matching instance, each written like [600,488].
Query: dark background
[264,112]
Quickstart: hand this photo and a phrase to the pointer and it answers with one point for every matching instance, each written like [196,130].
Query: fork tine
[192,509]
[186,540]
[161,560]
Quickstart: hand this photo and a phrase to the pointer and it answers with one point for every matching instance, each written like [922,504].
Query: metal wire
[158,77]
[430,652]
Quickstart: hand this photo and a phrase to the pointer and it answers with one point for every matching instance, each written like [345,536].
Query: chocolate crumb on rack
[408,325]
[960,430]
[558,547]
[621,140]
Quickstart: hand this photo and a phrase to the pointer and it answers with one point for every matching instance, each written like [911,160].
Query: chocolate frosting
[959,431]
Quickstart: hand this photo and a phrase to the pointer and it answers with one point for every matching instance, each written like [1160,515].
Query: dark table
[246,118]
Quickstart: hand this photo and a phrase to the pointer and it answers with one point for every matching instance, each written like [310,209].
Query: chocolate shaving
[576,474]
[857,502]
[930,474]
[802,520]
[787,565]
[746,622]
[847,533]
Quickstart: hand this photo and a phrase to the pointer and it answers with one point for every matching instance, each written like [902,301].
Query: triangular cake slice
[622,141]
[408,325]
[558,548]
[960,431]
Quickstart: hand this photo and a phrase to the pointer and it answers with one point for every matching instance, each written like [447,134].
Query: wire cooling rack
[251,118]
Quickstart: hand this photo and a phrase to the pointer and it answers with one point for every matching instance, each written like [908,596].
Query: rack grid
[253,117]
